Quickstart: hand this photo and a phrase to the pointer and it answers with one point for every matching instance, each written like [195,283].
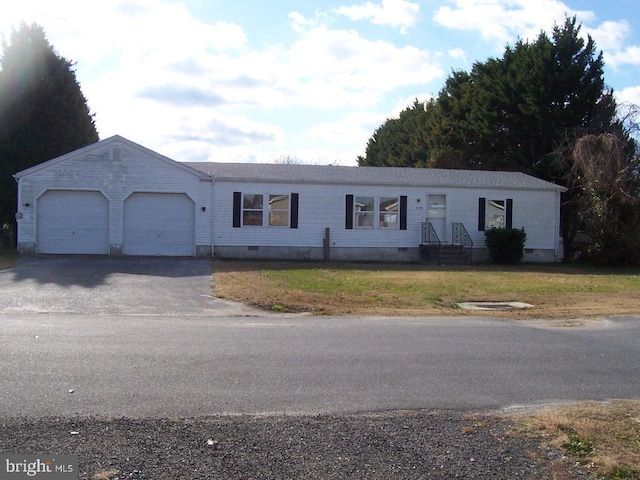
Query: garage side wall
[117,171]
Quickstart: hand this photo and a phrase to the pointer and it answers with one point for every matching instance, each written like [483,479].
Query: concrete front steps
[444,255]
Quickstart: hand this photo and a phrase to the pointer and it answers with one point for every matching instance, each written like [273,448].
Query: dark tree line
[522,112]
[43,113]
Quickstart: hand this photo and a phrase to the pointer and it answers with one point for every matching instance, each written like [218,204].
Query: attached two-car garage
[77,222]
[115,197]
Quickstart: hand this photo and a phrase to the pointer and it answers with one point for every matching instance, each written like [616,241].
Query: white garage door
[159,224]
[73,222]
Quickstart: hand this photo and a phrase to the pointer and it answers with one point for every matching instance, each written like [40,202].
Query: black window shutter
[403,212]
[348,215]
[293,223]
[237,208]
[509,213]
[482,203]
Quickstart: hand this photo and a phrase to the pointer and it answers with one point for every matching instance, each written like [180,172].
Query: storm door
[437,214]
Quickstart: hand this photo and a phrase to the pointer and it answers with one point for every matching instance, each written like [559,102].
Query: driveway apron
[112,285]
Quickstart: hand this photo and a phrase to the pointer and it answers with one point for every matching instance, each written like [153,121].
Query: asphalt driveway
[114,286]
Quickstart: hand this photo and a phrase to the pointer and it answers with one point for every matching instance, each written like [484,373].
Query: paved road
[184,362]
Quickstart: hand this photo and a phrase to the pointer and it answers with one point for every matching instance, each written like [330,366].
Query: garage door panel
[159,224]
[73,222]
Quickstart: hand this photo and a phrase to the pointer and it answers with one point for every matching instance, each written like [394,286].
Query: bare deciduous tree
[606,179]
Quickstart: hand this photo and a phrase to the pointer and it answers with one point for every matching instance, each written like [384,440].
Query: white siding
[322,206]
[116,168]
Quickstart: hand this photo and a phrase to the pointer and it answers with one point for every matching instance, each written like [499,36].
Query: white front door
[437,214]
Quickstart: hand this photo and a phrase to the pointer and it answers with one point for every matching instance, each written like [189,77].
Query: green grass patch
[408,289]
[456,285]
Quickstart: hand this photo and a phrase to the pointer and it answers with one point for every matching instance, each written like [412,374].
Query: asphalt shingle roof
[432,177]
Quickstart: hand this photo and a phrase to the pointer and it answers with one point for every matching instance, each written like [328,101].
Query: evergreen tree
[508,113]
[399,142]
[43,113]
[521,112]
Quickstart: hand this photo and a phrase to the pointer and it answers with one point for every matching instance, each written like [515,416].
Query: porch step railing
[429,244]
[459,252]
[460,236]
[429,235]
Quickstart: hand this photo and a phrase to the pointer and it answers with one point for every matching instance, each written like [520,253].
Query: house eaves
[382,176]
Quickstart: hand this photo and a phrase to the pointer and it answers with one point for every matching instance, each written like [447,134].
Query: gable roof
[115,140]
[323,174]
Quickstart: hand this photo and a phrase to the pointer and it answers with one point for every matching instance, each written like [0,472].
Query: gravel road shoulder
[398,445]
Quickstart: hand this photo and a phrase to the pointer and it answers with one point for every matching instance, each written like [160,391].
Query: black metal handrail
[429,235]
[460,236]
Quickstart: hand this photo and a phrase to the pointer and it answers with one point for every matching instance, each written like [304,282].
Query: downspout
[18,215]
[559,241]
[212,215]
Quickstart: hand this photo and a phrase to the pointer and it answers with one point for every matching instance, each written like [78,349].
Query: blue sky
[254,81]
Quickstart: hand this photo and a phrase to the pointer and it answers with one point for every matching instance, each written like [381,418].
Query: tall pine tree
[43,113]
[508,113]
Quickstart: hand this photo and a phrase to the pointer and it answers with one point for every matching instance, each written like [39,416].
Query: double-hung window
[279,210]
[376,212]
[365,211]
[265,209]
[494,213]
[388,212]
[252,209]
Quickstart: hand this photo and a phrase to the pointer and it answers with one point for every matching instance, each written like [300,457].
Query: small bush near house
[505,245]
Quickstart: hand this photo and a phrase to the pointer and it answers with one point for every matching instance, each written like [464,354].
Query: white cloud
[192,90]
[610,35]
[458,54]
[127,29]
[399,14]
[503,21]
[300,23]
[627,56]
[630,95]
[337,68]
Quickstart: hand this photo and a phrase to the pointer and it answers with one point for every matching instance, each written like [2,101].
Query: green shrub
[505,245]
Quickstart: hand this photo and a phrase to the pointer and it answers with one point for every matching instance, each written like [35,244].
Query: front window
[389,208]
[365,211]
[279,210]
[252,209]
[495,214]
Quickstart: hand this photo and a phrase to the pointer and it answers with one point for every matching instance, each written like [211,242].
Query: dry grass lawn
[603,437]
[556,291]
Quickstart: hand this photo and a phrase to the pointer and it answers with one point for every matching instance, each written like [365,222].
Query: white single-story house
[116,197]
